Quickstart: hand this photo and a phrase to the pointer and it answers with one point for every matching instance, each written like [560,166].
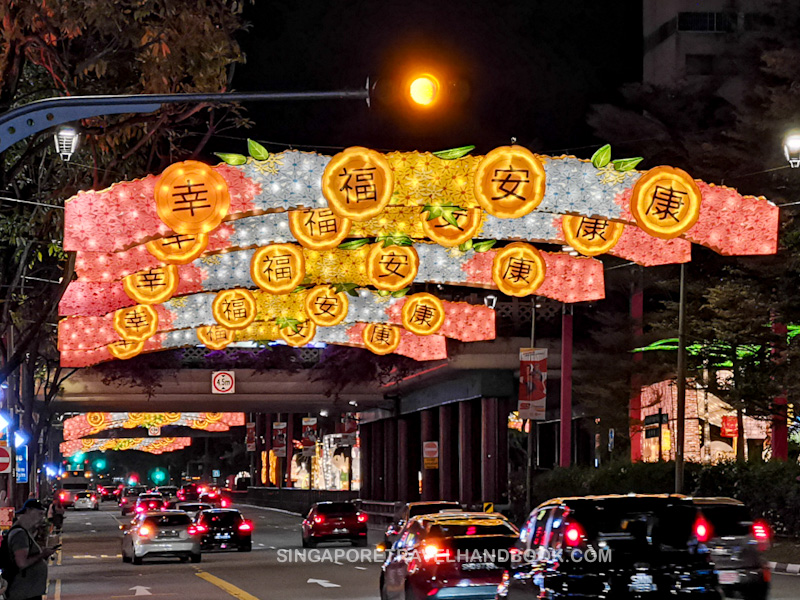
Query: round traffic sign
[5,460]
[222,382]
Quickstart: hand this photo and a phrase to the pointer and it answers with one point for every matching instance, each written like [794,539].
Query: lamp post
[680,420]
[791,148]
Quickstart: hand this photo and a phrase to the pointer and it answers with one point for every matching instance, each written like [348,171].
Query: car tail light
[433,592]
[63,495]
[139,509]
[516,554]
[319,519]
[761,531]
[123,501]
[246,526]
[145,531]
[432,553]
[702,530]
[574,534]
[94,498]
[362,517]
[197,529]
[225,503]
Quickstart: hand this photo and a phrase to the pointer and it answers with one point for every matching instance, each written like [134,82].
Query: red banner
[279,438]
[730,427]
[532,383]
[309,439]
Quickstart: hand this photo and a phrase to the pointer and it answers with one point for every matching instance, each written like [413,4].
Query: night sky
[528,70]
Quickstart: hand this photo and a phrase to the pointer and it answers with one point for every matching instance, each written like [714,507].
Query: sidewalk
[784,557]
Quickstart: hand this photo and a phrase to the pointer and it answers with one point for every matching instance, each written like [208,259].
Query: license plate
[222,536]
[341,530]
[168,535]
[478,566]
[728,577]
[642,582]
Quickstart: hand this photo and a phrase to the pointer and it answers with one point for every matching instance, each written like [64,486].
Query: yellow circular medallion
[152,286]
[125,349]
[665,202]
[590,235]
[178,249]
[278,268]
[392,268]
[423,314]
[518,269]
[326,307]
[215,337]
[136,323]
[446,234]
[304,334]
[358,183]
[191,197]
[318,228]
[509,182]
[381,338]
[234,309]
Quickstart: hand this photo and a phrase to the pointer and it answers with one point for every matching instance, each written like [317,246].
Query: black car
[634,546]
[736,543]
[189,492]
[128,497]
[224,528]
[411,510]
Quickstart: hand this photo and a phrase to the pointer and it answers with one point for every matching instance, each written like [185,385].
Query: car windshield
[222,519]
[74,486]
[471,528]
[427,509]
[83,495]
[168,520]
[727,519]
[133,491]
[337,508]
[150,497]
[194,507]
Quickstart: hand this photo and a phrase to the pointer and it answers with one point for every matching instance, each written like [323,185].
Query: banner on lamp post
[309,439]
[250,437]
[730,427]
[279,438]
[532,383]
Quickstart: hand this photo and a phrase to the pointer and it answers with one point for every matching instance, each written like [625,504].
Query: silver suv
[162,533]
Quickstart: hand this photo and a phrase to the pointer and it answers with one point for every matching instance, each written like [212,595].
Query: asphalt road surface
[90,566]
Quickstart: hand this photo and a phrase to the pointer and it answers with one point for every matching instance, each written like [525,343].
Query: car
[224,528]
[161,533]
[448,555]
[193,508]
[169,492]
[105,493]
[68,491]
[189,492]
[410,510]
[149,502]
[215,498]
[86,500]
[615,546]
[736,543]
[334,521]
[128,496]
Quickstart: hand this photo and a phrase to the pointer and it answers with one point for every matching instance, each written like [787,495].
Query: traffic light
[100,464]
[158,476]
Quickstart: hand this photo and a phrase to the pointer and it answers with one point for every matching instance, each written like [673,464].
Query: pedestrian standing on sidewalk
[30,583]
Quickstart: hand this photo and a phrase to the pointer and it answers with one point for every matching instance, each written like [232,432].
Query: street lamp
[66,139]
[424,90]
[791,148]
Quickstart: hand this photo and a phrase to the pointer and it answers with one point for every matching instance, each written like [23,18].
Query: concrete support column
[503,408]
[489,463]
[390,458]
[364,437]
[465,452]
[565,454]
[378,452]
[447,453]
[430,477]
[403,470]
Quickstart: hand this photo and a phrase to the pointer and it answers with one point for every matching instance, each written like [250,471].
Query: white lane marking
[361,568]
[141,590]
[323,583]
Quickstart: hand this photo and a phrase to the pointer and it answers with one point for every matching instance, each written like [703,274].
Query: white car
[162,533]
[86,500]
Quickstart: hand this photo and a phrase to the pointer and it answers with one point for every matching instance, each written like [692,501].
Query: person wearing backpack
[29,582]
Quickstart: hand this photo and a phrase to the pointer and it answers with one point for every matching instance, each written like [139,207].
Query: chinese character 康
[592,228]
[518,269]
[666,202]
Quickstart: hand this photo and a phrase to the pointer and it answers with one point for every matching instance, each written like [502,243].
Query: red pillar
[447,489]
[637,313]
[780,431]
[465,475]
[390,458]
[489,462]
[565,454]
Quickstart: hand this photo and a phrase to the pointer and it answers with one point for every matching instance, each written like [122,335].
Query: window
[337,508]
[712,22]
[699,64]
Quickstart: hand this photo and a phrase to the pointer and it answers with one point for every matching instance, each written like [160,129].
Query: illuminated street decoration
[518,269]
[152,286]
[124,349]
[509,182]
[358,183]
[666,202]
[423,314]
[137,323]
[298,335]
[318,228]
[392,268]
[381,338]
[591,236]
[215,337]
[463,225]
[278,268]
[325,307]
[178,249]
[150,445]
[191,197]
[94,422]
[234,309]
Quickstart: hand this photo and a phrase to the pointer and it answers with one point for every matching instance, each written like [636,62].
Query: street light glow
[424,90]
[791,148]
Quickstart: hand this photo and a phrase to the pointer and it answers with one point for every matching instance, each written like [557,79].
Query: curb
[278,510]
[790,568]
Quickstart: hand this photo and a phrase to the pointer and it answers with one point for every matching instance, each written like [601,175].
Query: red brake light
[246,526]
[94,498]
[761,531]
[145,531]
[702,530]
[471,530]
[573,534]
[432,553]
[319,519]
[123,501]
[225,503]
[63,495]
[139,509]
[362,517]
[197,529]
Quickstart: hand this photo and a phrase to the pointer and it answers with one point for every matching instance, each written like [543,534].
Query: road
[90,567]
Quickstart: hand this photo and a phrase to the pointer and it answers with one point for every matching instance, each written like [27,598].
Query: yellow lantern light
[234,309]
[304,334]
[136,323]
[191,197]
[424,90]
[423,314]
[665,202]
[318,228]
[124,349]
[446,234]
[178,249]
[509,182]
[152,286]
[381,338]
[278,268]
[518,269]
[215,337]
[392,268]
[591,236]
[358,183]
[325,307]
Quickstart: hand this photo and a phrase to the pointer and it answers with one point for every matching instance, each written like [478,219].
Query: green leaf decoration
[354,244]
[454,153]
[256,150]
[602,157]
[384,293]
[346,287]
[231,159]
[400,293]
[353,293]
[284,322]
[465,246]
[300,288]
[433,210]
[394,239]
[484,246]
[626,164]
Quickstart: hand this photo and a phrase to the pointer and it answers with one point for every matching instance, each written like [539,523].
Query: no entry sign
[5,460]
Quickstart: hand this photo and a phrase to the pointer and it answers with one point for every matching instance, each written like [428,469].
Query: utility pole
[680,425]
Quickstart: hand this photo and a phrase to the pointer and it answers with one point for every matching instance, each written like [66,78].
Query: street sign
[611,439]
[430,455]
[488,507]
[6,517]
[532,383]
[223,382]
[22,464]
[215,473]
[651,433]
[653,419]
[250,437]
[5,460]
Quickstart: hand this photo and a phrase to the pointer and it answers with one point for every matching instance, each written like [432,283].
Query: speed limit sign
[223,382]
